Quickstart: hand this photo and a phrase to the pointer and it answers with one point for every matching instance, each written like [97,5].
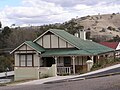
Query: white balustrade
[63,70]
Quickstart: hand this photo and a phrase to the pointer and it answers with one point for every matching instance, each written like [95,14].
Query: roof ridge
[56,29]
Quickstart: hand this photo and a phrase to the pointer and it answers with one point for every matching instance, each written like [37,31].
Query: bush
[111,28]
[103,30]
[1,84]
[113,14]
[83,18]
[95,66]
[6,62]
[117,59]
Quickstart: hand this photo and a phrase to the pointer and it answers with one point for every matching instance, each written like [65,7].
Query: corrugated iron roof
[35,46]
[80,43]
[110,44]
[84,47]
[65,52]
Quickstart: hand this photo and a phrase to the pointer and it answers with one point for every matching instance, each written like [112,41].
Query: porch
[66,65]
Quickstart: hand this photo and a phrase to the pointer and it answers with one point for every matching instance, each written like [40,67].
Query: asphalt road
[102,83]
[115,70]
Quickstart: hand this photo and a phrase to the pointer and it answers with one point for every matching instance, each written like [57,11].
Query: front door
[67,61]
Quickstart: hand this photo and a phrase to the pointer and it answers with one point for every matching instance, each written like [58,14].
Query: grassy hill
[101,28]
[108,24]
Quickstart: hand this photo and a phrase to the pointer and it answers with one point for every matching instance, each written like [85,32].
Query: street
[114,70]
[103,83]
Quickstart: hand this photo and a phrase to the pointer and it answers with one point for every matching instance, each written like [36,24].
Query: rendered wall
[47,71]
[23,73]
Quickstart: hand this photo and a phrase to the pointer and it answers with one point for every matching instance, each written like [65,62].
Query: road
[115,70]
[102,83]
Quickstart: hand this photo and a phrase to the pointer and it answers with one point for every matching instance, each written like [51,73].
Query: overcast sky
[39,12]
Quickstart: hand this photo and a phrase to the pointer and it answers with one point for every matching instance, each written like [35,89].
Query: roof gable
[35,46]
[59,34]
[32,45]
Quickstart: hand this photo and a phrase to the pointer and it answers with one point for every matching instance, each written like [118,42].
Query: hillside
[102,27]
[108,24]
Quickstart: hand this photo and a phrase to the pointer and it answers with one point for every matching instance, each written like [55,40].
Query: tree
[115,39]
[0,25]
[6,62]
[19,36]
[6,31]
[3,36]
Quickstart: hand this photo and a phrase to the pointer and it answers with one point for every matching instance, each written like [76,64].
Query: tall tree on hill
[19,36]
[6,31]
[3,36]
[0,25]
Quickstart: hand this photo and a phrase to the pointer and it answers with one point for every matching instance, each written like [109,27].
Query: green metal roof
[35,46]
[79,43]
[65,52]
[83,47]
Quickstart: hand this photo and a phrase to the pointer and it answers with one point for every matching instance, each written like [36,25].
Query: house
[113,45]
[55,52]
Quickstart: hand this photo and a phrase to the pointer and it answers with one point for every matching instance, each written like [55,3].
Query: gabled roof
[79,43]
[83,47]
[34,46]
[110,44]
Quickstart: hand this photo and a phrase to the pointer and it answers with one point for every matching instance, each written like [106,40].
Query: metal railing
[63,70]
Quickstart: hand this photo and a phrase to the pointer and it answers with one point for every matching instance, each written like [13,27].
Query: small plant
[117,59]
[100,17]
[45,76]
[113,14]
[89,29]
[111,28]
[97,18]
[83,18]
[103,30]
[64,74]
[96,66]
[2,84]
[88,15]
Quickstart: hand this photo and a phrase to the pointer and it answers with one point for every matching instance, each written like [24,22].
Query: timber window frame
[26,60]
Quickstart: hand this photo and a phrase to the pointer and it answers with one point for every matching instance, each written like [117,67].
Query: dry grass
[19,81]
[95,23]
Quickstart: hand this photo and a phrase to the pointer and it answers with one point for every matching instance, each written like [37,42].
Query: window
[26,60]
[22,59]
[29,60]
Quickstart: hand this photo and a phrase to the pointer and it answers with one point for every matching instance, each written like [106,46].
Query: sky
[40,12]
